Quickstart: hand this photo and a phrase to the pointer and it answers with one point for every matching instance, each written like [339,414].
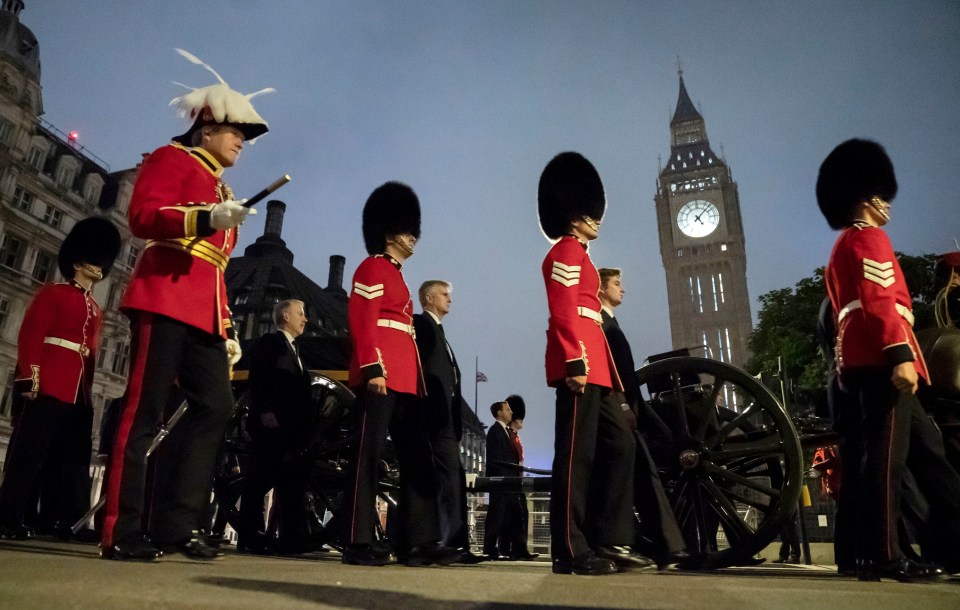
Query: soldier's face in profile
[224,143]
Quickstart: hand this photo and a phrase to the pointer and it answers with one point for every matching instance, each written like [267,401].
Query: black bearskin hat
[392,209]
[570,188]
[852,173]
[92,240]
[517,405]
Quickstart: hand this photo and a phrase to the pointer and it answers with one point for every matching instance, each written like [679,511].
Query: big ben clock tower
[701,242]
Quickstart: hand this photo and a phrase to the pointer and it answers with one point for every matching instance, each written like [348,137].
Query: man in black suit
[500,448]
[443,405]
[658,525]
[278,425]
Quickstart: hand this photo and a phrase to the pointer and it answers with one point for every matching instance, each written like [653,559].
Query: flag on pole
[481,377]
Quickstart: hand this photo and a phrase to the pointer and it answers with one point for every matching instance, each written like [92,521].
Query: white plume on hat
[223,103]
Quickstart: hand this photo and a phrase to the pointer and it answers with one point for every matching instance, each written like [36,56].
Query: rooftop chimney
[335,281]
[274,224]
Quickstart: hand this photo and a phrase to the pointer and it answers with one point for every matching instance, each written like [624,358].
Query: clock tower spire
[701,242]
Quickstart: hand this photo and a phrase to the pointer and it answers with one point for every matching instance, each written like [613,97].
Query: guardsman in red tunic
[56,357]
[386,376]
[879,363]
[592,432]
[177,304]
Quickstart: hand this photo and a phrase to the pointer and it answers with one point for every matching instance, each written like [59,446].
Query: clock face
[698,218]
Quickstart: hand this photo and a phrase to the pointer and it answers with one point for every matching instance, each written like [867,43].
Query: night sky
[467,101]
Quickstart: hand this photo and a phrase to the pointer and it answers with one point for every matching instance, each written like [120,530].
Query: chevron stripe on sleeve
[879,273]
[568,275]
[368,292]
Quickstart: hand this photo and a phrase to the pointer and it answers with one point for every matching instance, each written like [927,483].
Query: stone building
[48,182]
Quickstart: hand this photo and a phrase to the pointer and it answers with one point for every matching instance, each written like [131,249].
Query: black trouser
[418,512]
[274,465]
[165,351]
[53,435]
[451,487]
[658,523]
[518,520]
[500,509]
[896,434]
[591,498]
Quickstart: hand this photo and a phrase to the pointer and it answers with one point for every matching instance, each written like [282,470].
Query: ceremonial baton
[263,194]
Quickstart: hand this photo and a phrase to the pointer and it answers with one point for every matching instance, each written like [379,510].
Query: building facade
[48,182]
[702,243]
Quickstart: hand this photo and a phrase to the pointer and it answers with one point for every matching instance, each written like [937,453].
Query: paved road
[46,574]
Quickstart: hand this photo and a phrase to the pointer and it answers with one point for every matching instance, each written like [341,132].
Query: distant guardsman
[591,427]
[182,333]
[385,374]
[56,357]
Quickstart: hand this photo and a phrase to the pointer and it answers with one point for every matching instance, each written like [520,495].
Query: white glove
[229,214]
[233,351]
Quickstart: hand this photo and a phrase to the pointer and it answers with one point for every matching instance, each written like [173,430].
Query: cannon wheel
[733,466]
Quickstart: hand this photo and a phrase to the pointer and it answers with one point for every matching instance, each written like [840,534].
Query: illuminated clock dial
[698,218]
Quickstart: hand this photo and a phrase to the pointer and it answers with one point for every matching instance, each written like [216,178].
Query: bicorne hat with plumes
[218,104]
[391,209]
[570,188]
[93,240]
[854,172]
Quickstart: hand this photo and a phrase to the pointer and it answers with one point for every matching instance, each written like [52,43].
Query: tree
[787,323]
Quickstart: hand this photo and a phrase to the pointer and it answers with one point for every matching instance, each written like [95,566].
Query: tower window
[720,281]
[726,332]
[713,283]
[723,247]
[679,251]
[699,296]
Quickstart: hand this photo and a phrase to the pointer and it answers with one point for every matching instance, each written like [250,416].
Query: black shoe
[16,532]
[524,556]
[624,558]
[846,570]
[194,547]
[431,554]
[903,570]
[132,550]
[676,560]
[586,565]
[257,544]
[366,555]
[468,558]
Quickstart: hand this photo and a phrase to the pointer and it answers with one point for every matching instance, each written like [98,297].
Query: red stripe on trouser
[887,533]
[573,436]
[132,402]
[356,479]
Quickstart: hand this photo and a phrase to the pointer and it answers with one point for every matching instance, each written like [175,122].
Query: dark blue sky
[466,102]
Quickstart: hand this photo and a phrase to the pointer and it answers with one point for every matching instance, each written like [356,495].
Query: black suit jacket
[622,358]
[500,447]
[647,419]
[278,385]
[441,374]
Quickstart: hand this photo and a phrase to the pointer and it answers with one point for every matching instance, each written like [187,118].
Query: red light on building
[74,136]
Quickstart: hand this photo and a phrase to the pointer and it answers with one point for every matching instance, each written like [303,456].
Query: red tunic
[576,344]
[870,296]
[381,323]
[180,272]
[57,345]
